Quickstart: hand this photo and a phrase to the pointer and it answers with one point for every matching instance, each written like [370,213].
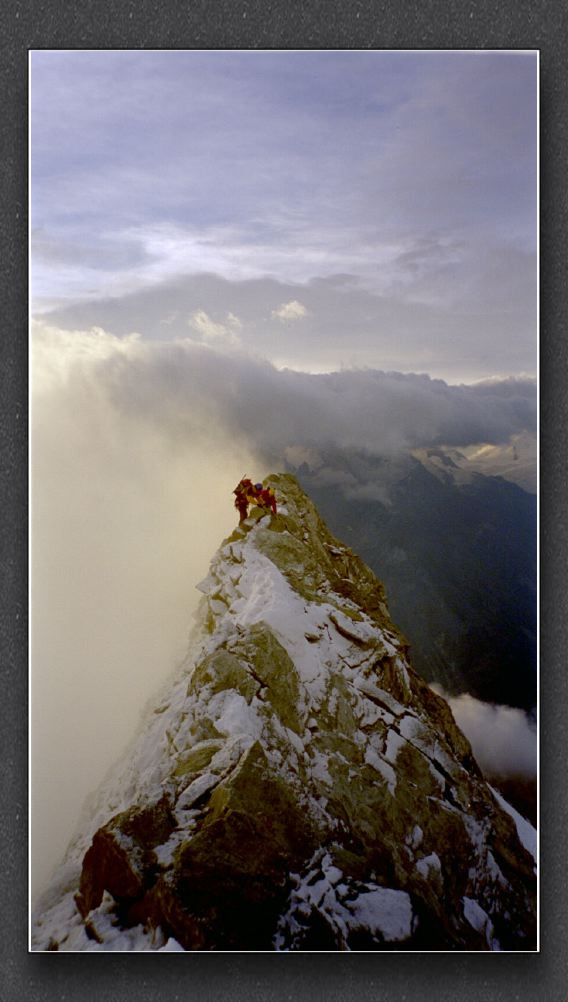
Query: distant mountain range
[457,551]
[515,461]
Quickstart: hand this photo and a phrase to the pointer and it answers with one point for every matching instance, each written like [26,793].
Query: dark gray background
[397,24]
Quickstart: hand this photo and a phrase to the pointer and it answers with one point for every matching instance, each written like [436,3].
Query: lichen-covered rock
[223,670]
[300,787]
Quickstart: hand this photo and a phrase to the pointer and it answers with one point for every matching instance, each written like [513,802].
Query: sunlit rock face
[296,786]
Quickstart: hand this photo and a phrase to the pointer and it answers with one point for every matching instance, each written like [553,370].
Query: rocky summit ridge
[297,786]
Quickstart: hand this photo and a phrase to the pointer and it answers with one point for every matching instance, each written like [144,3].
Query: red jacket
[267,498]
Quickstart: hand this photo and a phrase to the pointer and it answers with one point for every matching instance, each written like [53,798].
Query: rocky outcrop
[300,787]
[121,858]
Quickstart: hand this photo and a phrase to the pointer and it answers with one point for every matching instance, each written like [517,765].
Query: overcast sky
[321,209]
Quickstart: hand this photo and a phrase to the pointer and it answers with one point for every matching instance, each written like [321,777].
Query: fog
[503,739]
[136,447]
[125,518]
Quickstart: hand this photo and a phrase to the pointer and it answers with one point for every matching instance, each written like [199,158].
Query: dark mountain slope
[458,560]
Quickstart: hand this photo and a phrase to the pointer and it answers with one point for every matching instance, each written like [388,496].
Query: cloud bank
[188,390]
[503,739]
[335,322]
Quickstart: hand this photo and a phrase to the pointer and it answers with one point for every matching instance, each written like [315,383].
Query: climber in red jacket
[243,496]
[266,497]
[254,494]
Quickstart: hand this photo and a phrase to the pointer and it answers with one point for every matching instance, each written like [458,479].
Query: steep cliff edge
[298,786]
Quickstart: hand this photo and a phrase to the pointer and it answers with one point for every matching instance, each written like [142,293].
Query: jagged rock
[121,859]
[224,671]
[275,673]
[229,880]
[301,787]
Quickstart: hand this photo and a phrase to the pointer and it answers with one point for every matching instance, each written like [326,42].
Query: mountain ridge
[297,786]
